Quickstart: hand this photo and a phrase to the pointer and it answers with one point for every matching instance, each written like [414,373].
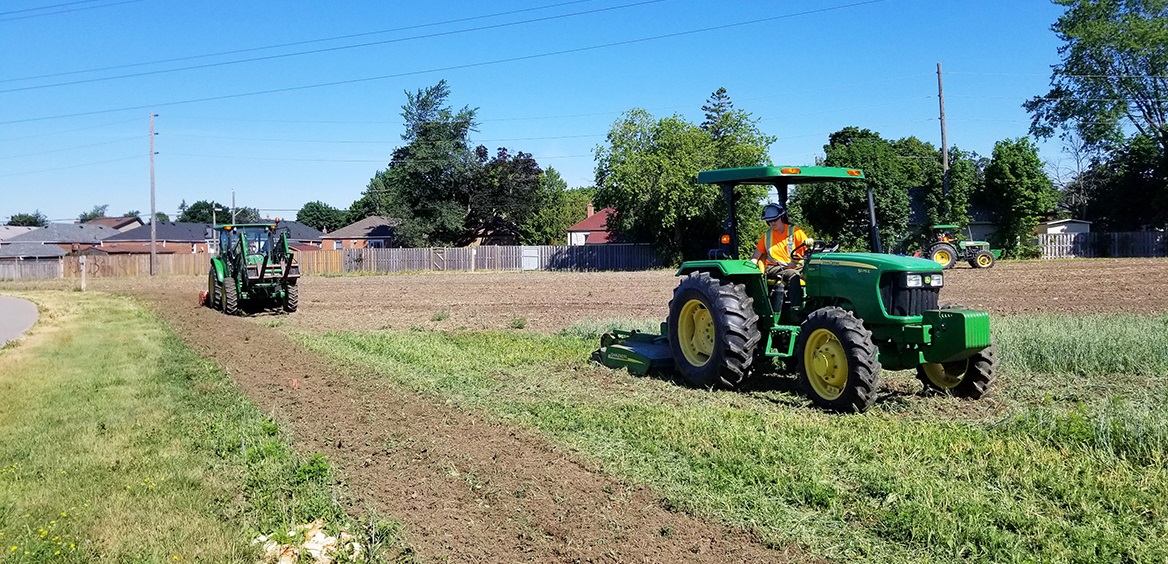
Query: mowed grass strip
[915,479]
[118,444]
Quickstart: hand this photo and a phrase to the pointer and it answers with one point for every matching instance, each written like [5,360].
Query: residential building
[593,229]
[373,232]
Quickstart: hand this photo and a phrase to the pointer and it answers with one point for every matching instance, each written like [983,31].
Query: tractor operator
[778,250]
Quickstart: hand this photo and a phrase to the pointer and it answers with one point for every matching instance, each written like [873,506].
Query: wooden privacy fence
[1098,245]
[589,257]
[26,269]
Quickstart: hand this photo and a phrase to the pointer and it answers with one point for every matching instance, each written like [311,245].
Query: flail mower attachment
[638,352]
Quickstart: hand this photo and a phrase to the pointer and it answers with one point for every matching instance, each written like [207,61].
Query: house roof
[140,247]
[30,250]
[300,232]
[118,223]
[186,232]
[66,233]
[599,237]
[372,227]
[10,231]
[594,222]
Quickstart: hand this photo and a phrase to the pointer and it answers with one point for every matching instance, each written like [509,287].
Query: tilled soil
[471,489]
[466,488]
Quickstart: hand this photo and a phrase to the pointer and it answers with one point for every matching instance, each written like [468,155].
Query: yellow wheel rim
[942,256]
[695,333]
[946,376]
[984,260]
[826,364]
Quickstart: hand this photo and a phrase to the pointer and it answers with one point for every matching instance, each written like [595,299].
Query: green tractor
[844,318]
[946,249]
[254,269]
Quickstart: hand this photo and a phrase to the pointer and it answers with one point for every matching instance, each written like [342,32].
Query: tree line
[1105,102]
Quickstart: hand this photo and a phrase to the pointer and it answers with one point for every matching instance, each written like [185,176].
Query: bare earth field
[567,511]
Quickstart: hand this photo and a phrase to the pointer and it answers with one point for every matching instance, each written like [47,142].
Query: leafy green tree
[1020,192]
[1114,192]
[132,213]
[322,216]
[507,193]
[559,209]
[159,216]
[647,172]
[96,212]
[1111,76]
[428,182]
[838,211]
[34,219]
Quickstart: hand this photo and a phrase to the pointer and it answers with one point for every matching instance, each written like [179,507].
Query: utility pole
[944,148]
[153,214]
[233,206]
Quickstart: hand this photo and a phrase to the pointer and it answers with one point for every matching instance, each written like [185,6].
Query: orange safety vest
[771,251]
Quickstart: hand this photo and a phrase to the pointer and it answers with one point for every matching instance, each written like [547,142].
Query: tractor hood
[881,262]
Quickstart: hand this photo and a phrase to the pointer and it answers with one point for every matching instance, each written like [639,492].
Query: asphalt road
[16,316]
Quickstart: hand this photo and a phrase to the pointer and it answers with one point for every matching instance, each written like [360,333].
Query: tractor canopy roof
[779,175]
[230,226]
[946,226]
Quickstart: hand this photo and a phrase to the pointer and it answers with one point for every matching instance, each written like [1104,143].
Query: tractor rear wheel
[230,296]
[983,259]
[291,297]
[836,361]
[713,331]
[212,291]
[943,254]
[969,378]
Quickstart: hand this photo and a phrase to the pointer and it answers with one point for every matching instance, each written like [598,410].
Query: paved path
[16,316]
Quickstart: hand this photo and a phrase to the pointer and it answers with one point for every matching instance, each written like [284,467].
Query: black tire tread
[952,254]
[981,372]
[863,365]
[230,297]
[733,361]
[291,297]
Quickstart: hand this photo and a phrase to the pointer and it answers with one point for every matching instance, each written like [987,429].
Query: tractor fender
[218,268]
[742,272]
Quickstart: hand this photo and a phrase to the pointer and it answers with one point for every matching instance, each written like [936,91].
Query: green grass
[121,445]
[1065,462]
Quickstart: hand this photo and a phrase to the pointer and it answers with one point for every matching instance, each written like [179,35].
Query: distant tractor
[255,269]
[946,249]
[843,319]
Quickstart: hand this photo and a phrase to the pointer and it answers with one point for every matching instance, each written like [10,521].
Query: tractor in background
[946,249]
[844,318]
[254,269]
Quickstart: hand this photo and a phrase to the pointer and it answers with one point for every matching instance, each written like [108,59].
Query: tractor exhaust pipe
[874,228]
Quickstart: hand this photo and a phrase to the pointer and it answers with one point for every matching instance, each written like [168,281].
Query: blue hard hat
[773,211]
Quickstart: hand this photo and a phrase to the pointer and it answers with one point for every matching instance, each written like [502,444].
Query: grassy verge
[1027,475]
[121,445]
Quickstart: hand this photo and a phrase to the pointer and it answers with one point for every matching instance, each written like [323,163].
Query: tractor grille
[900,301]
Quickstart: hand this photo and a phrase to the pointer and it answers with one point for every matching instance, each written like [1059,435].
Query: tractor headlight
[934,280]
[912,281]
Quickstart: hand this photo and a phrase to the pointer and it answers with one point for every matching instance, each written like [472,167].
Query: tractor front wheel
[230,296]
[713,331]
[943,254]
[983,259]
[291,297]
[212,291]
[836,361]
[969,378]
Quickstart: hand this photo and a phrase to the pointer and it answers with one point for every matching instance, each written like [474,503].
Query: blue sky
[79,79]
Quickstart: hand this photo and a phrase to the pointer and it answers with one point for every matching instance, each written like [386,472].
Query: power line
[294,43]
[25,17]
[123,140]
[324,50]
[452,67]
[86,128]
[70,166]
[10,12]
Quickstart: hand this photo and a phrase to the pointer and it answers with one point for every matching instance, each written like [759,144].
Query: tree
[1112,74]
[647,172]
[132,213]
[96,212]
[1114,192]
[322,216]
[838,211]
[559,209]
[506,193]
[428,182]
[160,217]
[1020,192]
[34,219]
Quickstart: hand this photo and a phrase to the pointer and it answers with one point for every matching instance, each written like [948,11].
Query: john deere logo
[928,280]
